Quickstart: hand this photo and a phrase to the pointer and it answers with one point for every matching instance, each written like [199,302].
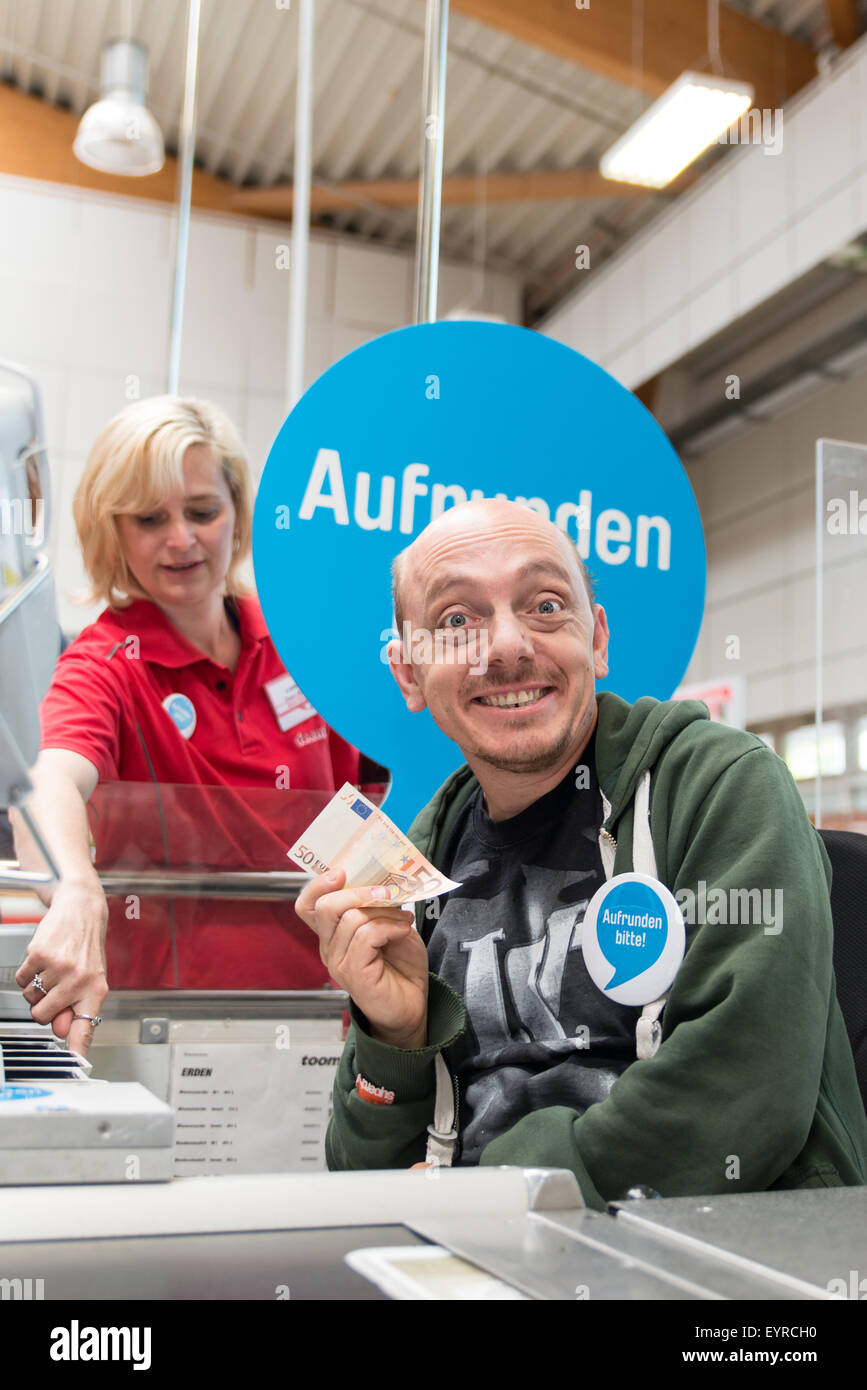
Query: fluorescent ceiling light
[675,130]
[118,134]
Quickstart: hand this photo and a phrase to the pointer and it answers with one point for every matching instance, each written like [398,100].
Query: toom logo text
[426,418]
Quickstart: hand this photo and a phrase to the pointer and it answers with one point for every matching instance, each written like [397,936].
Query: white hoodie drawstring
[648,1029]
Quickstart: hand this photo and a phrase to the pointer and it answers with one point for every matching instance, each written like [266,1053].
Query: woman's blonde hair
[136,458]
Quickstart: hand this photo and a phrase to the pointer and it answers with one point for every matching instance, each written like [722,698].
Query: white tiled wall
[85,303]
[757,500]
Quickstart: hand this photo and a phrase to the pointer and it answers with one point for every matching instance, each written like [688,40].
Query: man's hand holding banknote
[365,869]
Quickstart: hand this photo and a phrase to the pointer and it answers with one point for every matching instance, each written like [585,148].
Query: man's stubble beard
[543,761]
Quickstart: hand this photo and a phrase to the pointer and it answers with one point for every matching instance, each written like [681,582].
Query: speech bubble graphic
[631,928]
[633,938]
[423,418]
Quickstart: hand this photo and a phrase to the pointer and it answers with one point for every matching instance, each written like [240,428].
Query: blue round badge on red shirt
[182,713]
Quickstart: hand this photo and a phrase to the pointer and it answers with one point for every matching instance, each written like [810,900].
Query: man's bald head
[476,518]
[517,644]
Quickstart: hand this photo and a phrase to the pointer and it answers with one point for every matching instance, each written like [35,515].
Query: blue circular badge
[426,417]
[633,938]
[182,713]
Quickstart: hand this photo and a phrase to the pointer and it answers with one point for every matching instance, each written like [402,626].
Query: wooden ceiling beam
[458,190]
[36,143]
[599,38]
[843,19]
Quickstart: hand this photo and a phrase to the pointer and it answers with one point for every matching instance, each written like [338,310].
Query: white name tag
[289,705]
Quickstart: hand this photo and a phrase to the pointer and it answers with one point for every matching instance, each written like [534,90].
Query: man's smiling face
[500,567]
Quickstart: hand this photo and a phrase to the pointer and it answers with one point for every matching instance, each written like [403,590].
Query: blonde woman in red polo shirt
[172,697]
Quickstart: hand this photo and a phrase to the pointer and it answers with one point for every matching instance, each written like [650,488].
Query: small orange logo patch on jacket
[374,1095]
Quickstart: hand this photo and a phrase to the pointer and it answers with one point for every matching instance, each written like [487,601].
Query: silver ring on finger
[93,1019]
[36,983]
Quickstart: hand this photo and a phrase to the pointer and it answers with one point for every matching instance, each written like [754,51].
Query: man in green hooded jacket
[478,1035]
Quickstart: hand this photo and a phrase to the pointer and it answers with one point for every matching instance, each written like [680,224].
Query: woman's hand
[374,952]
[67,951]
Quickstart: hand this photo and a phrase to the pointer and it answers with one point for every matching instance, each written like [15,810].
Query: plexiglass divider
[841,634]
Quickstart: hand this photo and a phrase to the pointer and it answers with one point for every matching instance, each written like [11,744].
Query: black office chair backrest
[847,851]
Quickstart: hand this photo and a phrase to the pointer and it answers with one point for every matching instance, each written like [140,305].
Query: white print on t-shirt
[535,975]
[289,705]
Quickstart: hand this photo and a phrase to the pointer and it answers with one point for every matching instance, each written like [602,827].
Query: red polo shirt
[195,771]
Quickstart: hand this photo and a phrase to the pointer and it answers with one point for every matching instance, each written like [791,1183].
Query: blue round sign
[426,417]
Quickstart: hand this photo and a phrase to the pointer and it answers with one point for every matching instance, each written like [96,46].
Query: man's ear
[404,674]
[600,641]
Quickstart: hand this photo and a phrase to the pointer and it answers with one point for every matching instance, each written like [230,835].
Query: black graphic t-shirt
[509,942]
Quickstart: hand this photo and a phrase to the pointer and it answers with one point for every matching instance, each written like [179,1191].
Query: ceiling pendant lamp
[118,134]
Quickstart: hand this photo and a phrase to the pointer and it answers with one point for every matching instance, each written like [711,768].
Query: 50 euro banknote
[353,834]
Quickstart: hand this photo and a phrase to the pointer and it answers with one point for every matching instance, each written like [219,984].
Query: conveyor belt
[31,1053]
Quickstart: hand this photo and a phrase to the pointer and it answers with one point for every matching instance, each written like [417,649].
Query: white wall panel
[265,334]
[85,295]
[346,337]
[746,556]
[808,200]
[94,397]
[36,319]
[372,287]
[708,310]
[761,272]
[265,415]
[663,279]
[819,229]
[709,243]
[821,142]
[118,328]
[759,195]
[123,242]
[40,232]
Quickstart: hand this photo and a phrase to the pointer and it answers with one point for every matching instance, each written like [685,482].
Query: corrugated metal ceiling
[509,107]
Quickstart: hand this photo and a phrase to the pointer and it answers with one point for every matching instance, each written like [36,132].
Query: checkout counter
[450,1234]
[185,1160]
[200,1174]
[197,1170]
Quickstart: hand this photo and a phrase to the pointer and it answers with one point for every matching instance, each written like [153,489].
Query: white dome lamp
[118,134]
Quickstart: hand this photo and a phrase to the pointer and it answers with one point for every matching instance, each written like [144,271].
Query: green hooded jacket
[753,1084]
